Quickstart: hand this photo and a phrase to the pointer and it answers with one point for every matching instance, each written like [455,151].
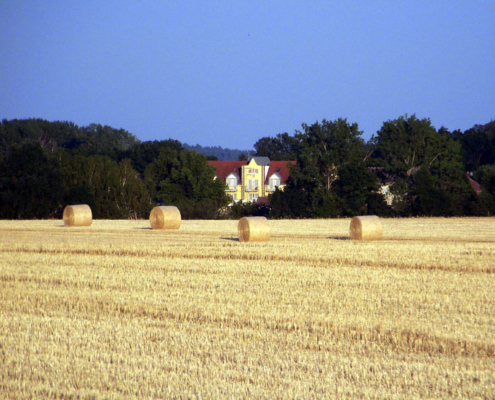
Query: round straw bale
[165,217]
[253,229]
[78,215]
[368,227]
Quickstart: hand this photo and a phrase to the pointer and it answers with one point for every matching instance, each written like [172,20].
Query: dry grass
[115,311]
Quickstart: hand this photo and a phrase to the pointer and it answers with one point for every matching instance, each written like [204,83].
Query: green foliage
[185,179]
[428,198]
[240,209]
[217,152]
[324,147]
[401,203]
[31,184]
[323,150]
[94,139]
[282,147]
[112,190]
[47,165]
[403,145]
[485,175]
[357,191]
[143,154]
[478,146]
[425,167]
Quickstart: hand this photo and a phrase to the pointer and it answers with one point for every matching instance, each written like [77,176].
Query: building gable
[280,167]
[225,168]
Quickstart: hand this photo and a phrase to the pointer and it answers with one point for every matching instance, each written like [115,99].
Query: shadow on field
[339,237]
[144,228]
[230,238]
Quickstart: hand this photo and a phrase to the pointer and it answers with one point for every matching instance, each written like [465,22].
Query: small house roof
[225,168]
[475,185]
[281,168]
[261,161]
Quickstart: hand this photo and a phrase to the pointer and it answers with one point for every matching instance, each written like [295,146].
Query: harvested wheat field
[119,310]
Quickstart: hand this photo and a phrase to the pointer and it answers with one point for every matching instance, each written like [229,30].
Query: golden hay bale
[78,215]
[253,229]
[368,227]
[165,217]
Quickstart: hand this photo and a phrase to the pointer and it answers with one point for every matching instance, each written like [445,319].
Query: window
[253,196]
[234,196]
[252,171]
[252,184]
[232,182]
[274,181]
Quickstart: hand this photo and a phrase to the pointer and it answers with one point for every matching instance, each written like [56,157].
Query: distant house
[475,185]
[250,180]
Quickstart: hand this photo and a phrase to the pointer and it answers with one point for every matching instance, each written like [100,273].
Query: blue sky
[227,73]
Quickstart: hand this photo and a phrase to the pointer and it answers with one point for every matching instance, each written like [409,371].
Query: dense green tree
[282,147]
[31,184]
[485,175]
[402,145]
[94,139]
[427,198]
[133,199]
[49,135]
[217,152]
[143,154]
[323,149]
[111,189]
[186,180]
[478,146]
[240,209]
[407,145]
[358,192]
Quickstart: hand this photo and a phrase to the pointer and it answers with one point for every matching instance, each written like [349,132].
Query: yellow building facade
[251,180]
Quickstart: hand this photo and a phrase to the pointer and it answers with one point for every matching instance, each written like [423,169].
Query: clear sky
[229,72]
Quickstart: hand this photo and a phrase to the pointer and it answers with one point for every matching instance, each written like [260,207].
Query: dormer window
[274,181]
[231,181]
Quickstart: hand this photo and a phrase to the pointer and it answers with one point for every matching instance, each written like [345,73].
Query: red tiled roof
[282,168]
[225,168]
[475,185]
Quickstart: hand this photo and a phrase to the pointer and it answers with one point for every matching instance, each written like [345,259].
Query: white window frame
[253,184]
[253,197]
[234,179]
[274,181]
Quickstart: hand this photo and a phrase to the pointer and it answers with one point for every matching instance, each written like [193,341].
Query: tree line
[47,165]
[424,169]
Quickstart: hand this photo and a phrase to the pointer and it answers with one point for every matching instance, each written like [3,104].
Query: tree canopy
[47,165]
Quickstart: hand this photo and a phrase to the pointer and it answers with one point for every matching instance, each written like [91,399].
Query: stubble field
[118,310]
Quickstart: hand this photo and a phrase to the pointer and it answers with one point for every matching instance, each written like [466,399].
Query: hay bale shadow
[234,239]
[339,237]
